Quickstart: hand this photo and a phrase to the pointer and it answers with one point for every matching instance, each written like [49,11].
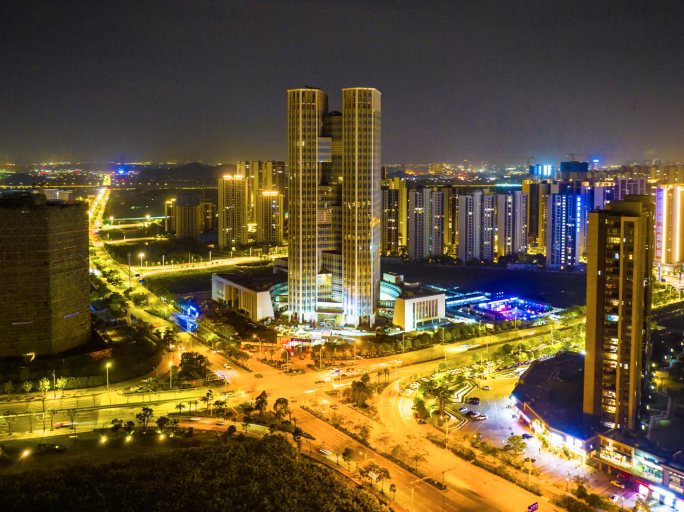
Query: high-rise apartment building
[669,239]
[269,217]
[209,216]
[476,226]
[542,171]
[170,216]
[511,223]
[400,185]
[361,204]
[45,290]
[536,210]
[232,211]
[594,195]
[390,221]
[619,281]
[189,216]
[334,204]
[563,221]
[425,223]
[260,175]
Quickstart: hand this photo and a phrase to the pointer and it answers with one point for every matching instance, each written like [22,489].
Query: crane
[528,158]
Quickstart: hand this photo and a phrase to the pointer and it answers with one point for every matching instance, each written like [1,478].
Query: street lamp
[141,257]
[357,341]
[257,337]
[320,358]
[171,376]
[108,365]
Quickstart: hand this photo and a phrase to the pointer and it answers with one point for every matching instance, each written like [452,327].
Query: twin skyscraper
[334,205]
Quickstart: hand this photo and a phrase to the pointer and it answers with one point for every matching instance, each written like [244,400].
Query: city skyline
[543,81]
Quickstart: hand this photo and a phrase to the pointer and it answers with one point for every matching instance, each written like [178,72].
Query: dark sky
[474,79]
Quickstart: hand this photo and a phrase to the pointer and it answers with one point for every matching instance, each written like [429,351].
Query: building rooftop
[255,283]
[27,199]
[418,291]
[554,389]
[189,200]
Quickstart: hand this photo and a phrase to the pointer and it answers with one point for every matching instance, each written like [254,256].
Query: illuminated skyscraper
[563,227]
[425,223]
[305,111]
[511,223]
[390,221]
[476,226]
[619,282]
[232,211]
[400,185]
[361,203]
[669,239]
[189,216]
[269,217]
[334,205]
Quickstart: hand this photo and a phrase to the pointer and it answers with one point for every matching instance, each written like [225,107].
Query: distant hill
[189,174]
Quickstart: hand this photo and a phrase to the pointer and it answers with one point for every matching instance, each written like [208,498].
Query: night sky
[475,79]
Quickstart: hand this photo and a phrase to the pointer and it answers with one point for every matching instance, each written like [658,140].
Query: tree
[417,455]
[116,426]
[245,422]
[73,414]
[384,437]
[382,474]
[380,372]
[144,416]
[581,482]
[281,407]
[61,385]
[386,371]
[363,430]
[28,386]
[393,490]
[365,379]
[44,385]
[10,417]
[645,504]
[8,387]
[129,427]
[347,455]
[517,444]
[261,402]
[193,364]
[231,430]
[51,411]
[162,422]
[179,407]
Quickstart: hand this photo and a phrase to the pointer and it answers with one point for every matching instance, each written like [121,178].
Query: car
[613,497]
[415,415]
[50,448]
[226,366]
[617,483]
[334,406]
[322,411]
[486,388]
[527,459]
[258,376]
[527,436]
[421,421]
[481,417]
[463,409]
[498,369]
[474,401]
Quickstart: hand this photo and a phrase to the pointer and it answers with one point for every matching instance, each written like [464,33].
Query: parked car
[463,409]
[50,448]
[334,406]
[474,401]
[527,459]
[421,421]
[613,498]
[527,436]
[486,388]
[617,483]
[481,417]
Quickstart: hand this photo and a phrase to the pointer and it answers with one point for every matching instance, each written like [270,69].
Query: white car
[617,483]
[226,366]
[486,388]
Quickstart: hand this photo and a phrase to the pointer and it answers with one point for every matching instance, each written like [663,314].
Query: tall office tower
[400,185]
[632,186]
[209,216]
[232,211]
[573,170]
[361,204]
[594,195]
[390,221]
[563,219]
[511,223]
[189,215]
[170,216]
[305,111]
[619,281]
[45,291]
[330,145]
[425,223]
[669,239]
[269,217]
[476,226]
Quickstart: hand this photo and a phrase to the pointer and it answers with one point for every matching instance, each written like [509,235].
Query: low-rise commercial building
[257,297]
[419,308]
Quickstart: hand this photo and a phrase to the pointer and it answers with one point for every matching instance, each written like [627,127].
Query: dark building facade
[45,289]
